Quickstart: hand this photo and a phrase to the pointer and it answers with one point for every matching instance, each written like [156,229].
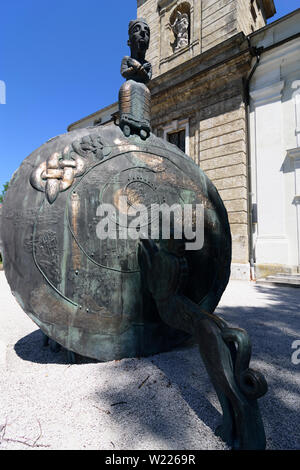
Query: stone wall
[148,9]
[213,104]
[211,23]
[219,21]
[274,124]
[222,19]
[201,86]
[222,145]
[250,22]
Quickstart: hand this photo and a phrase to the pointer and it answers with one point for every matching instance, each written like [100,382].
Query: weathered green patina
[113,297]
[85,293]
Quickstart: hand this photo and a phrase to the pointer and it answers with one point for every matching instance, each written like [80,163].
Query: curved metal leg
[242,426]
[225,351]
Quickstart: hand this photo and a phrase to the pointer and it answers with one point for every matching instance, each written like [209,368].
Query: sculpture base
[137,341]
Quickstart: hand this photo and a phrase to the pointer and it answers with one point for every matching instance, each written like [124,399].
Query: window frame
[177,126]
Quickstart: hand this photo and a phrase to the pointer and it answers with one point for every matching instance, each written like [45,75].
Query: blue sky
[60,60]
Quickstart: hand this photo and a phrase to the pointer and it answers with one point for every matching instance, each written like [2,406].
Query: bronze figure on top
[134,95]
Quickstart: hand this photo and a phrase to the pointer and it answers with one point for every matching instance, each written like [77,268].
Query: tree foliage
[5,186]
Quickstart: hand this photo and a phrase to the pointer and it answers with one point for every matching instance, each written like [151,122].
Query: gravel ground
[162,402]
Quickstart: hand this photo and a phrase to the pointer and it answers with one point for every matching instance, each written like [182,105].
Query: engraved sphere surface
[85,291]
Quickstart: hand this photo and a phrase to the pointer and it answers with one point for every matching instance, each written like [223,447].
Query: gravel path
[161,402]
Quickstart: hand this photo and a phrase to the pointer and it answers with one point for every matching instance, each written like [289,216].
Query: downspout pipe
[255,52]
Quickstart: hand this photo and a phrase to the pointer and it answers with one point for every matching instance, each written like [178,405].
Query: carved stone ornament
[57,173]
[180,28]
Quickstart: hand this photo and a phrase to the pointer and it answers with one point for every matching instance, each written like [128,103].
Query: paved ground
[162,402]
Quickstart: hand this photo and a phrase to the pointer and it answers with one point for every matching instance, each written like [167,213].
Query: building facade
[200,90]
[210,22]
[275,147]
[203,59]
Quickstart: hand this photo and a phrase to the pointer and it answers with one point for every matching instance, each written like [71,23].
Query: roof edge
[89,116]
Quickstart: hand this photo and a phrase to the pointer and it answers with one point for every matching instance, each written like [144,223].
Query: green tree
[5,186]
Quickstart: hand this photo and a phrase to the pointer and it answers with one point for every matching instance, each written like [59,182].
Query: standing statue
[180,29]
[134,95]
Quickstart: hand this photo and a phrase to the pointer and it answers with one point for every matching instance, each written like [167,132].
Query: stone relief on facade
[180,28]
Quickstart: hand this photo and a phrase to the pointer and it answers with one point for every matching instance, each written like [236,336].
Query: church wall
[249,16]
[191,92]
[211,23]
[149,11]
[219,22]
[215,112]
[275,148]
[222,155]
[222,19]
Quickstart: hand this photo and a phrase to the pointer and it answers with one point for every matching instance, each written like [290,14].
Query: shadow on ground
[30,348]
[272,329]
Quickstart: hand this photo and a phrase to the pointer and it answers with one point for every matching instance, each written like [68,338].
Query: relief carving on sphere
[45,247]
[57,173]
[91,146]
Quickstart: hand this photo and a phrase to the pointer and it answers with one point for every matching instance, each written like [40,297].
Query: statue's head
[181,22]
[184,20]
[139,35]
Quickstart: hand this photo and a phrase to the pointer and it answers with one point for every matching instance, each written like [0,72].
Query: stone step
[283,279]
[295,275]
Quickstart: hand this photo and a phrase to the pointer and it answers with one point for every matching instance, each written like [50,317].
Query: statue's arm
[127,70]
[143,70]
[131,67]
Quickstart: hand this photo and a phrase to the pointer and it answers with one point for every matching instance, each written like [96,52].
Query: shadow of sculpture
[274,327]
[32,348]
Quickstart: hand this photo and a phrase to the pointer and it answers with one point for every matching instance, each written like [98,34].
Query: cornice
[90,116]
[287,51]
[235,48]
[294,153]
[165,3]
[267,94]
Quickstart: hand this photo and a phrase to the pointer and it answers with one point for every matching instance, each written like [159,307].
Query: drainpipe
[255,52]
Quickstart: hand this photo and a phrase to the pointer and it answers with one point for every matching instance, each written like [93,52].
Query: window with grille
[177,138]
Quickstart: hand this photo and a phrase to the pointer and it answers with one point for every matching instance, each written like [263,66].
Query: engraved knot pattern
[57,173]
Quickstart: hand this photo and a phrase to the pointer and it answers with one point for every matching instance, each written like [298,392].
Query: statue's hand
[163,271]
[147,67]
[134,63]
